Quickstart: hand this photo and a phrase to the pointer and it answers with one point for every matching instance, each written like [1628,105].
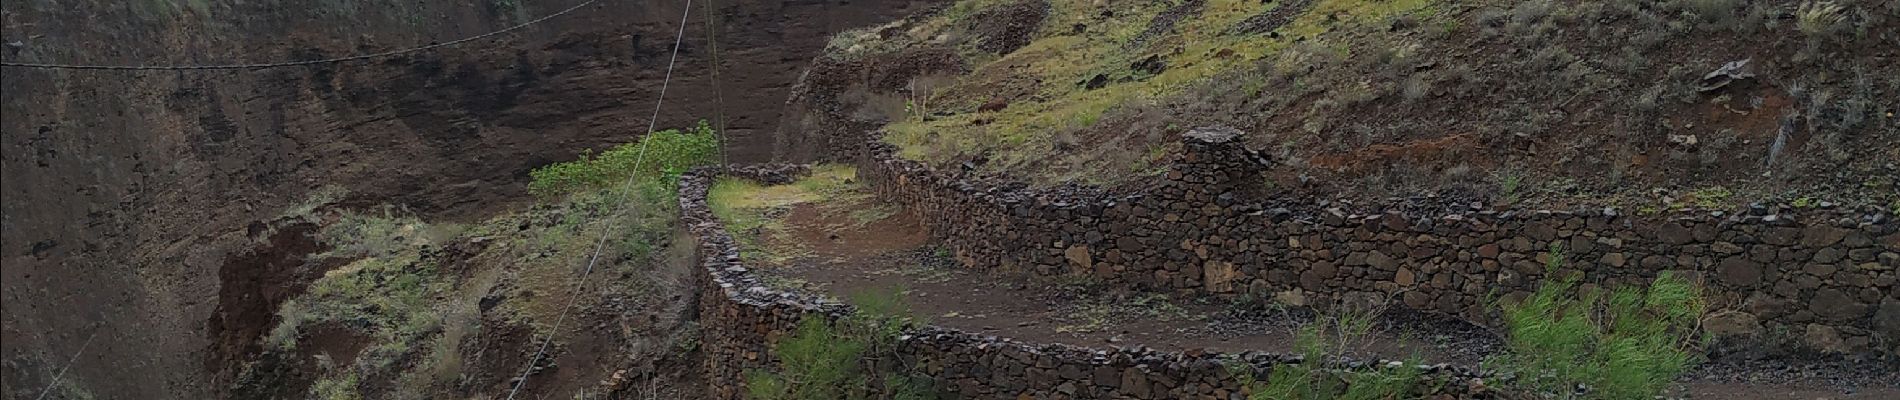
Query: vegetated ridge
[1643,105]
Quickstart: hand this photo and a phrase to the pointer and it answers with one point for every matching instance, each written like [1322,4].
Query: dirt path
[895,252]
[844,243]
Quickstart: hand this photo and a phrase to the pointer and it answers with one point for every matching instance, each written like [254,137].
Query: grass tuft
[851,358]
[1327,338]
[1628,345]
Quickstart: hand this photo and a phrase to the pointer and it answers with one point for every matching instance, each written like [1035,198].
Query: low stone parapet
[1827,275]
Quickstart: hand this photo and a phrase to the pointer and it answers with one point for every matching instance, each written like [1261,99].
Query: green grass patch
[1630,344]
[754,213]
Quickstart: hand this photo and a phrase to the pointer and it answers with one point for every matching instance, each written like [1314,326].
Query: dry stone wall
[740,319]
[1826,277]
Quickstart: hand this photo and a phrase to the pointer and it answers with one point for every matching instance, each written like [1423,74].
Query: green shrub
[668,154]
[847,359]
[1630,345]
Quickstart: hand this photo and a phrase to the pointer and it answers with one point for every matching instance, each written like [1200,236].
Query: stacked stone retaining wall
[1825,276]
[740,319]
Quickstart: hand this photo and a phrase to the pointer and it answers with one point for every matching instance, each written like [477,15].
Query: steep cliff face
[130,198]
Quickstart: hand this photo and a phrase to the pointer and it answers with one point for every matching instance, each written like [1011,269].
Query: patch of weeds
[942,252]
[867,215]
[644,213]
[1715,14]
[1509,185]
[68,389]
[337,388]
[1087,318]
[290,319]
[858,43]
[754,212]
[1710,197]
[1819,18]
[734,201]
[1256,304]
[789,283]
[687,340]
[317,198]
[1158,305]
[666,154]
[1416,87]
[1078,284]
[636,222]
[364,235]
[1094,313]
[390,297]
[851,358]
[932,265]
[1326,339]
[444,364]
[1629,345]
[1820,21]
[929,275]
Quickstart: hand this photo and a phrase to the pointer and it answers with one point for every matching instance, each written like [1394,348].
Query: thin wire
[299,63]
[69,364]
[719,95]
[639,158]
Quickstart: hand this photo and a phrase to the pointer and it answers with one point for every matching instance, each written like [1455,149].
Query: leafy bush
[668,154]
[1630,345]
[848,359]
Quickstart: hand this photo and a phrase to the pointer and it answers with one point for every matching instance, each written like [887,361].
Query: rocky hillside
[143,211]
[1643,105]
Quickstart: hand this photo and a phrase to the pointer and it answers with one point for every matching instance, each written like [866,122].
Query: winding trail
[843,243]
